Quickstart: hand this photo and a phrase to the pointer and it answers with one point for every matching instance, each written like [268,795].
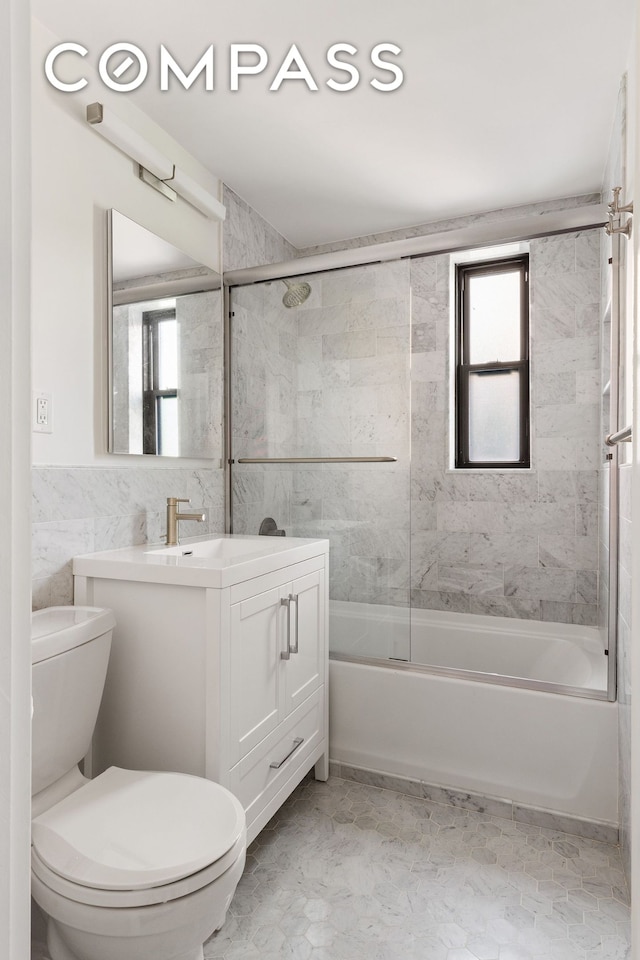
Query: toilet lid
[130,829]
[56,630]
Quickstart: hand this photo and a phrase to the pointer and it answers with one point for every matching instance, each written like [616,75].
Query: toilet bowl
[133,865]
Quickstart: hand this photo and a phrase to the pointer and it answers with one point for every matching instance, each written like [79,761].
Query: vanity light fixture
[195,194]
[155,169]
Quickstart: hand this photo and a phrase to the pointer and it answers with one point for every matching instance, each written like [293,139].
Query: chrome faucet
[173,517]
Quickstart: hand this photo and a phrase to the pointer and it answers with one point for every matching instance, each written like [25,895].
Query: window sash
[464,369]
[151,394]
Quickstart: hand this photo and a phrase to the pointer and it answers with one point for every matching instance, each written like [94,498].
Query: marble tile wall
[466,558]
[551,512]
[201,357]
[249,240]
[353,400]
[264,370]
[520,543]
[81,509]
[263,403]
[339,387]
[437,226]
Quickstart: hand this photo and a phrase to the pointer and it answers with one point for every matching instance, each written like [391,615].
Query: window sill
[489,471]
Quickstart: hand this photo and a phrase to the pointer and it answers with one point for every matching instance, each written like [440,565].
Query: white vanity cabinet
[227,681]
[268,682]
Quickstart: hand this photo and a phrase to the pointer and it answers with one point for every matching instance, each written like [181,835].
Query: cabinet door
[257,629]
[304,671]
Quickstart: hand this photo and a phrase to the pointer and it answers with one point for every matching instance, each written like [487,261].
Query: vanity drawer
[259,776]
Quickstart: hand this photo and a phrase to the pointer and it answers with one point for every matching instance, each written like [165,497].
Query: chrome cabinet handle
[276,764]
[286,602]
[293,598]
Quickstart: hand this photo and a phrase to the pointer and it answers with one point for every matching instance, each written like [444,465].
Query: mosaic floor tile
[347,871]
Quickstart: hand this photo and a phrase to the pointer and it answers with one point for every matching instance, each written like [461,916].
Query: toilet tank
[69,656]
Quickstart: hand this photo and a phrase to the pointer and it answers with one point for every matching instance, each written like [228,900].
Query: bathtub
[546,746]
[557,657]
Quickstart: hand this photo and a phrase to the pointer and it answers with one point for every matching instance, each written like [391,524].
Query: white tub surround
[533,749]
[534,754]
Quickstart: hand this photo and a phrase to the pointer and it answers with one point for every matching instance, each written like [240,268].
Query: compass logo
[124,67]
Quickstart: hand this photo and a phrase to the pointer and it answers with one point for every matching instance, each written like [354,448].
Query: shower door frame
[613,458]
[226,426]
[452,241]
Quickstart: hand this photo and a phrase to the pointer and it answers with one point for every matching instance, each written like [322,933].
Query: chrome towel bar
[316,460]
[622,436]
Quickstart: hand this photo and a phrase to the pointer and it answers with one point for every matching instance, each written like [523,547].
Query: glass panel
[167,355]
[494,417]
[168,445]
[329,377]
[494,317]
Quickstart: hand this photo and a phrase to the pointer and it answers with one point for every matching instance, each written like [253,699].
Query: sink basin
[221,548]
[218,561]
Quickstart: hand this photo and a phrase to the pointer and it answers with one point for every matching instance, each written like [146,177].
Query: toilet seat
[137,898]
[133,837]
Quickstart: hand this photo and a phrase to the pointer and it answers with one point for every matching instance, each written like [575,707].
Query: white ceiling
[503,102]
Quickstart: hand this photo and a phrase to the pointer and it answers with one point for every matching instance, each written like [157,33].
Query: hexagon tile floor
[346,871]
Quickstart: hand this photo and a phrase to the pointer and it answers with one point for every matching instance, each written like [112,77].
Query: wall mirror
[165,347]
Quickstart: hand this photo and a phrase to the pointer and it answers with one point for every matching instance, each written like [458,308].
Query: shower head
[296,293]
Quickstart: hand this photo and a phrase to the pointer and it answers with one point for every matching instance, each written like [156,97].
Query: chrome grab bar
[316,460]
[622,436]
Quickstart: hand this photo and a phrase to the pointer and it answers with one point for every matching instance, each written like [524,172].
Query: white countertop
[200,561]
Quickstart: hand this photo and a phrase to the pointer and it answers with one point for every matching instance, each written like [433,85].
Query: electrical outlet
[42,412]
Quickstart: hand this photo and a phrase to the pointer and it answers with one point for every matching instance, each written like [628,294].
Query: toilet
[132,865]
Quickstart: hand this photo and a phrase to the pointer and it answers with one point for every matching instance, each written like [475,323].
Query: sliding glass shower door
[320,436]
[342,425]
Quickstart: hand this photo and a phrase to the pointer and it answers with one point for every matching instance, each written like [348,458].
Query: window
[492,364]
[160,382]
